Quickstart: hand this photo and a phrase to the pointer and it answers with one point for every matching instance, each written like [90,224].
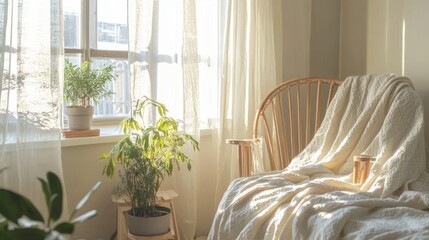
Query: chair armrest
[244,154]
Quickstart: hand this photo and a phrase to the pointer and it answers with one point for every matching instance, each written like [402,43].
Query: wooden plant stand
[81,133]
[165,198]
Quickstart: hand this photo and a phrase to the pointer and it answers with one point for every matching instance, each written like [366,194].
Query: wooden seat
[165,199]
[287,120]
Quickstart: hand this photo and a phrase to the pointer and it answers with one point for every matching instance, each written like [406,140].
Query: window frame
[88,38]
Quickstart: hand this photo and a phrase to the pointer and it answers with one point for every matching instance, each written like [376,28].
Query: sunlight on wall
[403,47]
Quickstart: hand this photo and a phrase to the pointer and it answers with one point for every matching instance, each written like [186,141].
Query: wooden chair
[287,120]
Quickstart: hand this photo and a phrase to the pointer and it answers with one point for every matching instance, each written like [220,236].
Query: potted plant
[145,156]
[84,86]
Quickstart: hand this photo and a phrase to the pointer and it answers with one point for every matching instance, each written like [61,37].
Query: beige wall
[416,50]
[353,28]
[325,38]
[311,38]
[82,170]
[397,41]
[296,38]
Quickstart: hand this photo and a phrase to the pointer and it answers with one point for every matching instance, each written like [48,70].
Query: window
[106,46]
[98,30]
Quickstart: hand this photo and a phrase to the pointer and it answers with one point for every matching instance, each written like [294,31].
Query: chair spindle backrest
[290,116]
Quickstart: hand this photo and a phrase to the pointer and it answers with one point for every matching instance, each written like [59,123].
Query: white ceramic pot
[79,118]
[149,226]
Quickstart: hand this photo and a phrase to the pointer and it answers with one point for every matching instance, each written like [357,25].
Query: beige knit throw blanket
[314,198]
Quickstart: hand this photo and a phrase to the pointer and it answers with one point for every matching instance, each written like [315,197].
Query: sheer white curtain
[251,68]
[163,56]
[164,64]
[30,98]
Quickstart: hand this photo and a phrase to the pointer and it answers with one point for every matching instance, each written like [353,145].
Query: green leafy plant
[20,219]
[85,84]
[146,155]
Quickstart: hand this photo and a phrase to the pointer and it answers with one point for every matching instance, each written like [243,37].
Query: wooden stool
[164,198]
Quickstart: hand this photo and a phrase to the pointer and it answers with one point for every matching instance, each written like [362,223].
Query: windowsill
[108,134]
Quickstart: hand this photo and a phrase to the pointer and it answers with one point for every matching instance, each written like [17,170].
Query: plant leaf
[24,233]
[47,192]
[87,196]
[85,216]
[83,84]
[65,227]
[13,206]
[2,169]
[56,202]
[25,222]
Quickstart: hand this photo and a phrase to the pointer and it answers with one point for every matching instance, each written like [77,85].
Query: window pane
[109,31]
[74,58]
[112,29]
[72,23]
[170,88]
[119,103]
[208,50]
